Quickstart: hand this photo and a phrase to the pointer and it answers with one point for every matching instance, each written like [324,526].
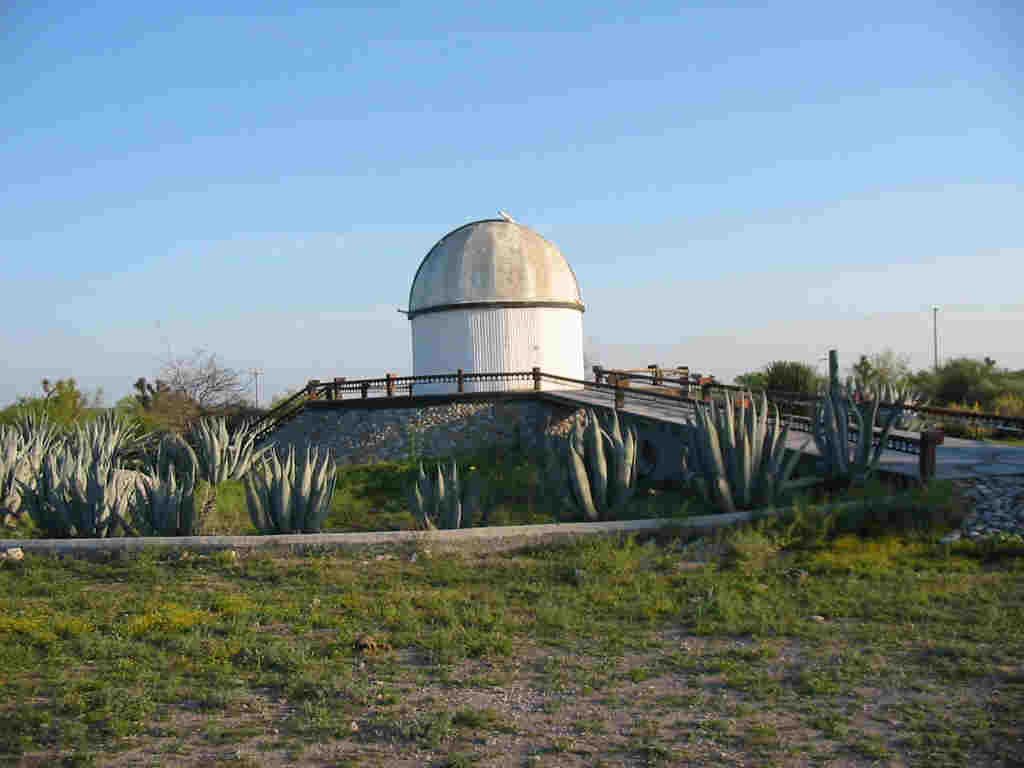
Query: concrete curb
[493,539]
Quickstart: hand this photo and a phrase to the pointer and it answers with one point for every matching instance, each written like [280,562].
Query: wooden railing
[705,387]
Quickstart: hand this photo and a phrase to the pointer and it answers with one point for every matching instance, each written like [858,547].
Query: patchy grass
[858,650]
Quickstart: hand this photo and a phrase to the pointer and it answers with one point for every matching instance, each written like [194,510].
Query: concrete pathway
[956,458]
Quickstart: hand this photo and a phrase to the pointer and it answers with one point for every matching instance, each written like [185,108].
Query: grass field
[891,650]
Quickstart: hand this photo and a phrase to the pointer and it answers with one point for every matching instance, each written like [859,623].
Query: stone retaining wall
[374,434]
[369,435]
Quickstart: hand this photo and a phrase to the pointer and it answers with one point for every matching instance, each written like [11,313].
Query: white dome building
[494,296]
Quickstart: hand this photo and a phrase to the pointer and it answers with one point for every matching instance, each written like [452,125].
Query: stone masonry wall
[366,436]
[370,435]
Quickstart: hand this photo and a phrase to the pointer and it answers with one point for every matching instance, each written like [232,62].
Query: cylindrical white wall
[497,339]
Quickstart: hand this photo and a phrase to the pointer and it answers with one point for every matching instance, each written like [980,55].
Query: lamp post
[935,334]
[256,373]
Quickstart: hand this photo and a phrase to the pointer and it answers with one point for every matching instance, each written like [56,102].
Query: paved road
[956,458]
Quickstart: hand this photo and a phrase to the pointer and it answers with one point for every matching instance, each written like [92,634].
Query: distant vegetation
[961,383]
[783,376]
[185,390]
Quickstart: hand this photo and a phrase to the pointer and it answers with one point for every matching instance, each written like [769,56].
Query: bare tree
[204,380]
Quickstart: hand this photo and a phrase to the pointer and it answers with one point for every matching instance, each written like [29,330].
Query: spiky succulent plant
[11,464]
[108,437]
[223,454]
[38,433]
[79,493]
[601,466]
[736,457]
[165,502]
[442,499]
[37,437]
[841,463]
[173,451]
[291,496]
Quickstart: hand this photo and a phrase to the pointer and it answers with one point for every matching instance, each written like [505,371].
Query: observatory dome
[493,296]
[494,262]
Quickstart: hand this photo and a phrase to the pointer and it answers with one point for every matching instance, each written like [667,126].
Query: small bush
[966,429]
[791,376]
[750,549]
[1009,404]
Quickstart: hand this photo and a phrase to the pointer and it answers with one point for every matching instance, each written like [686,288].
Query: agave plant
[174,452]
[36,437]
[11,466]
[601,467]
[844,464]
[442,500]
[108,437]
[736,456]
[79,493]
[165,503]
[291,496]
[38,433]
[223,455]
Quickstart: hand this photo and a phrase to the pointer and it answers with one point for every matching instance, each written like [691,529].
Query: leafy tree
[791,376]
[62,402]
[964,380]
[754,381]
[882,369]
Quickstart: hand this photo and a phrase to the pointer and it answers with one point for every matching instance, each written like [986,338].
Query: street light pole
[935,334]
[256,373]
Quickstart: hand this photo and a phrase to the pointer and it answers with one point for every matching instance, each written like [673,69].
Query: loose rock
[998,506]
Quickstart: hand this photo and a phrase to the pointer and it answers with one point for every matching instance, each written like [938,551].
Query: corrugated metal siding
[498,339]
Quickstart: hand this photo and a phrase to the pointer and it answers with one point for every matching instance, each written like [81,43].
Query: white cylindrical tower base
[498,339]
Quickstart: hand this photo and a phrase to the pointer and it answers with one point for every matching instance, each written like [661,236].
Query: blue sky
[730,184]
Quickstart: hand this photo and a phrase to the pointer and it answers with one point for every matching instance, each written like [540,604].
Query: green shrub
[966,380]
[963,428]
[750,549]
[1009,404]
[791,376]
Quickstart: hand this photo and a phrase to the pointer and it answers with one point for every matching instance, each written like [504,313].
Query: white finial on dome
[506,216]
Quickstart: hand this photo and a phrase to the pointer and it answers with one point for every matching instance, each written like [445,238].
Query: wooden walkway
[956,458]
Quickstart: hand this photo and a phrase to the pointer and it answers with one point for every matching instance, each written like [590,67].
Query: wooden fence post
[930,439]
[389,384]
[620,395]
[336,393]
[536,379]
[460,381]
[364,390]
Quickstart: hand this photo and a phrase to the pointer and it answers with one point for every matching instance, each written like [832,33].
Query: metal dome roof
[493,262]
